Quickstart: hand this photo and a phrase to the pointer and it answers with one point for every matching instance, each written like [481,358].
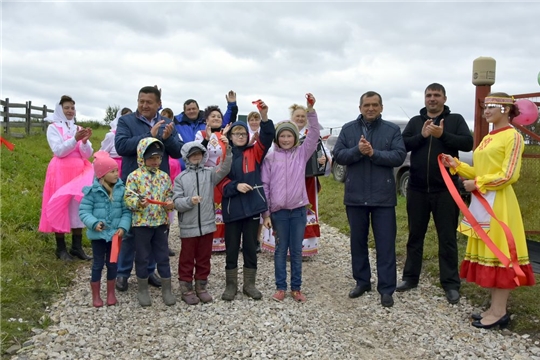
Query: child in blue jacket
[105,214]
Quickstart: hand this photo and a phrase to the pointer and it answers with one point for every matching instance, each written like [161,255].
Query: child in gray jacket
[194,199]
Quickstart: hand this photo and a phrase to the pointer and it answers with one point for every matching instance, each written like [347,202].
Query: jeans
[101,251]
[289,226]
[151,243]
[247,231]
[127,256]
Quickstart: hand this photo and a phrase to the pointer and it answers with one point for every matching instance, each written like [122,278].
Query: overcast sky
[102,53]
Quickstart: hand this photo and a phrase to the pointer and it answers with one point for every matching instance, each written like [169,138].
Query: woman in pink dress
[67,173]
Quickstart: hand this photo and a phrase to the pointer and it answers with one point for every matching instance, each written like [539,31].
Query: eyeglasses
[238,135]
[493,106]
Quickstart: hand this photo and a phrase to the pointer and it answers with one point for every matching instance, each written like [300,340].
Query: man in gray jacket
[194,199]
[371,147]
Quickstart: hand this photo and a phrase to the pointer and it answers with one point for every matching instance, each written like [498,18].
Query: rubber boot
[186,288]
[96,298]
[77,249]
[231,285]
[61,251]
[249,284]
[202,293]
[168,297]
[142,295]
[111,296]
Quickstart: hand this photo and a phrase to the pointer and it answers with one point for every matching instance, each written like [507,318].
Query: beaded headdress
[501,100]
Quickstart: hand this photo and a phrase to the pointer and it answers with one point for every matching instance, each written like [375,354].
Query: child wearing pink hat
[104,213]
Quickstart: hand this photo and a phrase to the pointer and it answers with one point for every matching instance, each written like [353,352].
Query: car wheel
[339,172]
[403,183]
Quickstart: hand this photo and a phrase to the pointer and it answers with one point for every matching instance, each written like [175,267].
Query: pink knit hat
[103,163]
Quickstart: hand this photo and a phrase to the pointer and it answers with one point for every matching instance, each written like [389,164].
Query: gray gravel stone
[421,325]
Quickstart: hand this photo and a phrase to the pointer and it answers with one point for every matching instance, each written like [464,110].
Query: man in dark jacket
[143,123]
[192,120]
[371,147]
[427,135]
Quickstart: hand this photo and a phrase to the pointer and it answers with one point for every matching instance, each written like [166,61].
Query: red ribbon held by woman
[520,277]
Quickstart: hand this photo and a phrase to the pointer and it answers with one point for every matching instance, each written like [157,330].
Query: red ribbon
[309,99]
[258,103]
[152,201]
[520,277]
[115,248]
[7,144]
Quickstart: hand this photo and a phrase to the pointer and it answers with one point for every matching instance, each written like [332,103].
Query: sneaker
[298,296]
[279,295]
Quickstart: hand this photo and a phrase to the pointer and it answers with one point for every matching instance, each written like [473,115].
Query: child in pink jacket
[282,174]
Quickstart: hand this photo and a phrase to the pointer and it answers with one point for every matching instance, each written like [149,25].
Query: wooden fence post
[6,116]
[43,127]
[28,116]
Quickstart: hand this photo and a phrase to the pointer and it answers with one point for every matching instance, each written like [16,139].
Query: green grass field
[32,277]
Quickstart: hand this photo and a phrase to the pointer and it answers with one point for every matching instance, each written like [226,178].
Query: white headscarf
[57,115]
[114,123]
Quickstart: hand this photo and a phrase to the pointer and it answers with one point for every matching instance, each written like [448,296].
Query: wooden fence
[31,119]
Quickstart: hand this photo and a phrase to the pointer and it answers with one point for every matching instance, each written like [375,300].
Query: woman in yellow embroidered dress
[497,163]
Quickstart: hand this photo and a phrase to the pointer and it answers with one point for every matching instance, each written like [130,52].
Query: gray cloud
[103,53]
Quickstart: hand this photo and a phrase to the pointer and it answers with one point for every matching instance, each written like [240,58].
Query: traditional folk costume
[310,245]
[68,172]
[216,151]
[497,163]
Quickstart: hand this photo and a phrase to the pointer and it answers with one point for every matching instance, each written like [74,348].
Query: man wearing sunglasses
[436,130]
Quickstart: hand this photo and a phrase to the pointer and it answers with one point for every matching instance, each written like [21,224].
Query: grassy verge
[523,301]
[31,276]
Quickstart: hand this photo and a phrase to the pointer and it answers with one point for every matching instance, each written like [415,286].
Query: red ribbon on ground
[7,144]
[115,248]
[520,277]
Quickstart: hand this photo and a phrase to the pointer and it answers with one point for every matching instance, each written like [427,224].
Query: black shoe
[387,300]
[452,296]
[359,291]
[79,252]
[501,323]
[171,253]
[64,255]
[405,286]
[154,280]
[476,317]
[258,248]
[121,283]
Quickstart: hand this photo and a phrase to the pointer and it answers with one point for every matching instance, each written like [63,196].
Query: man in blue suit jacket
[145,122]
[371,147]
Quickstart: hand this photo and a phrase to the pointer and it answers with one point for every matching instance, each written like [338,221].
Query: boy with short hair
[148,195]
[194,199]
[243,202]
